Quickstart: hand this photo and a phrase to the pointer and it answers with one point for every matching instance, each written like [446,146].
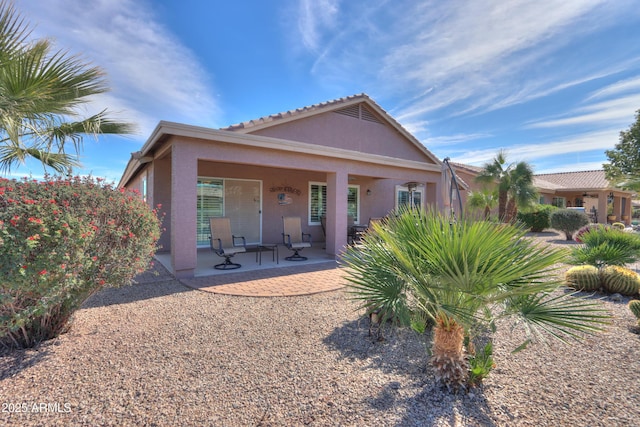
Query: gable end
[359,111]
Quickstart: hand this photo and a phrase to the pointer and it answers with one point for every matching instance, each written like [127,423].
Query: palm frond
[41,92]
[561,316]
[10,155]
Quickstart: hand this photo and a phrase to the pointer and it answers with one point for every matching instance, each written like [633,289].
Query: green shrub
[480,364]
[61,240]
[577,236]
[634,306]
[583,278]
[620,280]
[607,246]
[538,219]
[568,221]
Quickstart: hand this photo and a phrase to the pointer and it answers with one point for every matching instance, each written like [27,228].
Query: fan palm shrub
[484,200]
[604,246]
[461,276]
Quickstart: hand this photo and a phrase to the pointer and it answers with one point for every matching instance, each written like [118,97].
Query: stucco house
[587,189]
[343,159]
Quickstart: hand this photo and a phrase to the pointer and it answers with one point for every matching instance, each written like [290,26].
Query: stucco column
[627,209]
[184,180]
[602,207]
[337,187]
[160,187]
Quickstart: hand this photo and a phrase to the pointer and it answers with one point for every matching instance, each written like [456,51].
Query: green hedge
[537,219]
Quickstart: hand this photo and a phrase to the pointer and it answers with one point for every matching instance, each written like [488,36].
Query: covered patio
[332,165]
[250,261]
[270,278]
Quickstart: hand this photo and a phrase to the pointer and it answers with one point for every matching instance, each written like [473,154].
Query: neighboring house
[588,189]
[341,159]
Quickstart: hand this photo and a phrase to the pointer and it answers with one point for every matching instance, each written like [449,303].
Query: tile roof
[583,180]
[580,180]
[468,168]
[287,114]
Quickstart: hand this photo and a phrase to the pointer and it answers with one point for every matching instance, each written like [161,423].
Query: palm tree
[485,200]
[514,181]
[419,267]
[41,93]
[522,192]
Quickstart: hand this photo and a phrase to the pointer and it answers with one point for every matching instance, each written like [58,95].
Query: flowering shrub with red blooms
[61,240]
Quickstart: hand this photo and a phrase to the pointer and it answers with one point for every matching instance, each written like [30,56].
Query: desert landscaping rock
[159,353]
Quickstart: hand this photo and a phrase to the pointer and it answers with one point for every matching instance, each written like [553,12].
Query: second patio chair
[293,237]
[223,243]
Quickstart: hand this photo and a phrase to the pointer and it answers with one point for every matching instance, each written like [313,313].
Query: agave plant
[418,266]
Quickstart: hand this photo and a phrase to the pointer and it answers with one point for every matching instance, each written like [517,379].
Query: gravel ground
[158,353]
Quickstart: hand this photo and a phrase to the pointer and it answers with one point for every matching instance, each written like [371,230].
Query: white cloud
[532,153]
[572,167]
[620,87]
[455,58]
[619,111]
[315,17]
[449,140]
[478,52]
[152,75]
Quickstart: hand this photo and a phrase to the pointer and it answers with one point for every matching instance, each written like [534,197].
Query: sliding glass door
[240,200]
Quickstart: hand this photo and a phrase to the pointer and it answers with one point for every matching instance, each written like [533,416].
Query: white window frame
[419,189]
[144,185]
[324,184]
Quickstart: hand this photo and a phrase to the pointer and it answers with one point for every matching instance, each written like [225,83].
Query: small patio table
[273,247]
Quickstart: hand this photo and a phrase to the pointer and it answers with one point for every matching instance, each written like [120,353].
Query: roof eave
[178,129]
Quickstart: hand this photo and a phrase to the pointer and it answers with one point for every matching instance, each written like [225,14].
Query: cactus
[634,306]
[583,278]
[616,279]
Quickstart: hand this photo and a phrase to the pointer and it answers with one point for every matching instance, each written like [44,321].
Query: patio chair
[352,229]
[293,237]
[359,231]
[223,243]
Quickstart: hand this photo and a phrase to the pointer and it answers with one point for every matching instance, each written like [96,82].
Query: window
[353,207]
[144,187]
[318,202]
[559,202]
[238,199]
[403,196]
[210,204]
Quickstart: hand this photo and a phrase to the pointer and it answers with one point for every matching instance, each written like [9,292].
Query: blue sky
[551,81]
